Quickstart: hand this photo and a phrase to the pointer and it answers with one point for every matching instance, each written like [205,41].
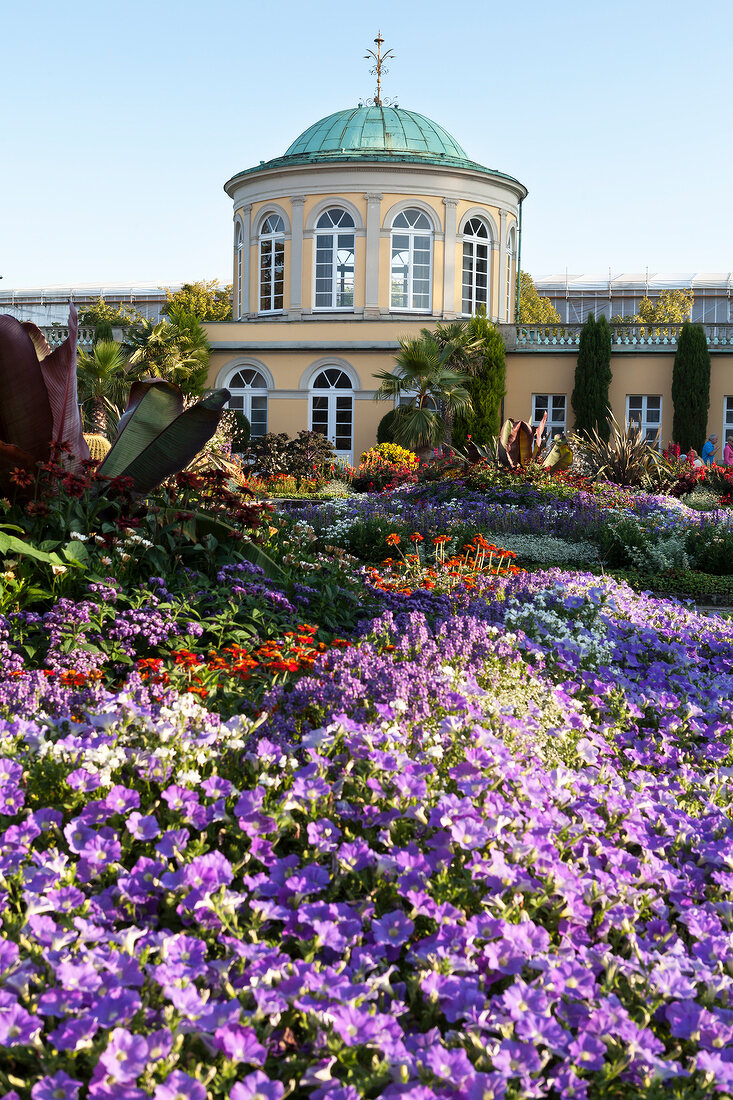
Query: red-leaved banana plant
[38,400]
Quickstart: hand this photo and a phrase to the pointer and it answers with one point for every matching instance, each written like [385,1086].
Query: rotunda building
[373,224]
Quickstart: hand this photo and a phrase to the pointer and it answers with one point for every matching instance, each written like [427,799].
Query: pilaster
[371,299]
[449,260]
[295,311]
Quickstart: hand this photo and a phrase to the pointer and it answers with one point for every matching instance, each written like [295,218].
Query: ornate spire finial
[377,70]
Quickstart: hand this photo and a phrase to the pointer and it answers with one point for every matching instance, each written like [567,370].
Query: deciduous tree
[205,300]
[534,310]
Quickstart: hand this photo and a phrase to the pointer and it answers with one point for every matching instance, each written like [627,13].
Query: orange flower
[392,540]
[416,537]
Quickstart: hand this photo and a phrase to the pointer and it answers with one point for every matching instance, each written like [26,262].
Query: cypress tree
[487,385]
[593,377]
[691,388]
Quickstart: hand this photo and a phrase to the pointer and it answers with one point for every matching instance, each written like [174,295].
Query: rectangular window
[554,404]
[646,411]
[727,418]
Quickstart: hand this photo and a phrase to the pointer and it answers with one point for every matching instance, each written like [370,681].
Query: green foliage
[157,437]
[308,455]
[385,429]
[101,312]
[625,458]
[102,385]
[486,385]
[103,331]
[532,308]
[593,377]
[241,431]
[176,350]
[673,306]
[691,387]
[424,375]
[207,301]
[711,549]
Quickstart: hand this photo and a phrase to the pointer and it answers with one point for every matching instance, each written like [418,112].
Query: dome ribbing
[377,130]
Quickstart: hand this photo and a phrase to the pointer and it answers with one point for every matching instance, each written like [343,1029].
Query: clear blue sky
[121,122]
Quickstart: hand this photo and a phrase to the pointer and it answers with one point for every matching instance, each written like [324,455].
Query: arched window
[332,409]
[249,396]
[510,275]
[239,251]
[335,260]
[476,248]
[272,264]
[412,261]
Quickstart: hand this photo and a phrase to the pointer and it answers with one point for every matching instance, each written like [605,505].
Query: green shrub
[385,430]
[711,549]
[241,432]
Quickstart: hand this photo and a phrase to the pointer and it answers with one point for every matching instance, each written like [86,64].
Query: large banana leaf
[26,422]
[58,368]
[157,438]
[153,404]
[559,458]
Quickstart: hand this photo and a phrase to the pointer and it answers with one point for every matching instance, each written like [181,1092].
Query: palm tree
[424,375]
[175,349]
[102,385]
[463,351]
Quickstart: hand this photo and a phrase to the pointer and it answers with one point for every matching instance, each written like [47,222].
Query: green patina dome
[362,131]
[373,135]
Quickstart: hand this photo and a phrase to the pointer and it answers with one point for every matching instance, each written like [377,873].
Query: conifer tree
[487,384]
[691,388]
[593,377]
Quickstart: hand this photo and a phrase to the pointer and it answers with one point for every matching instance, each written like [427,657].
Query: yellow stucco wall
[315,343]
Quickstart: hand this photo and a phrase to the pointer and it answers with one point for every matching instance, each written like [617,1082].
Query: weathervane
[377,71]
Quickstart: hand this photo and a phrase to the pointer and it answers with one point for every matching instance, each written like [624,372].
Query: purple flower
[208,872]
[142,826]
[17,1027]
[125,1056]
[257,1086]
[393,929]
[180,1086]
[58,1087]
[240,1044]
[588,1052]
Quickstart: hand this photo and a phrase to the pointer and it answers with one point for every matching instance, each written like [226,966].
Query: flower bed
[477,848]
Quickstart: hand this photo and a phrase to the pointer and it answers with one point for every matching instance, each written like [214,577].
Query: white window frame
[239,248]
[648,427]
[510,282]
[411,234]
[554,426]
[727,417]
[333,234]
[473,242]
[246,392]
[275,237]
[331,393]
